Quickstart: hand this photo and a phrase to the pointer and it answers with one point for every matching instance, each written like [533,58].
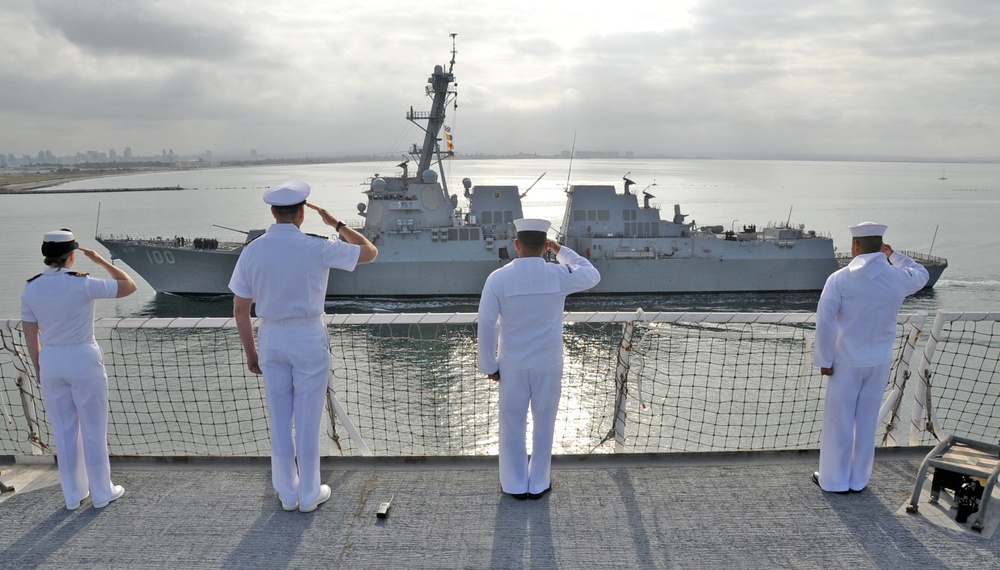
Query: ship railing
[924,257]
[172,241]
[406,384]
[844,257]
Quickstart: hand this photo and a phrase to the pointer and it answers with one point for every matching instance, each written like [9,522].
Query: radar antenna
[454,51]
[628,182]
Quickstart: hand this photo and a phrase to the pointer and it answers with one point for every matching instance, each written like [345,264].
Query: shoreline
[41,190]
[32,182]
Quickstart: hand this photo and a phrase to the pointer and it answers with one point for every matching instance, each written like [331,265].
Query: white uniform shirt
[62,303]
[521,309]
[857,311]
[286,271]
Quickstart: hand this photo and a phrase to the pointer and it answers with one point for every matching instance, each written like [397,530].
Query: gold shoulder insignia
[33,278]
[77,273]
[319,236]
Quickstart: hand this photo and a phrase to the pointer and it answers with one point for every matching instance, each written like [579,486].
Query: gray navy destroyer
[429,245]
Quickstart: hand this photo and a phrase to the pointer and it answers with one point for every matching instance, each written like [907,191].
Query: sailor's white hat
[532,225]
[58,242]
[868,229]
[288,193]
[59,236]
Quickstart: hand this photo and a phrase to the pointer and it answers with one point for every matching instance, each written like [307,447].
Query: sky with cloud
[687,78]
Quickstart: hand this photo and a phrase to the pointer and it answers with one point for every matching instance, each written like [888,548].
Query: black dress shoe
[536,496]
[858,490]
[519,496]
[815,478]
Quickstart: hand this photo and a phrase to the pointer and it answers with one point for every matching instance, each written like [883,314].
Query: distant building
[594,154]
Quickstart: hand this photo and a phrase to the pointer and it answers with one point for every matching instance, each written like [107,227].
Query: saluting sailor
[57,316]
[521,347]
[855,331]
[285,271]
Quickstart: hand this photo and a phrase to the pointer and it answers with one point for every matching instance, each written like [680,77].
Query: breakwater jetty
[87,190]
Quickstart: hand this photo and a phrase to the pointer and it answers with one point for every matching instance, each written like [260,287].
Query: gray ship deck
[757,510]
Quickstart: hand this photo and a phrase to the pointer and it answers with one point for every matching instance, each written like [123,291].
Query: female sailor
[57,314]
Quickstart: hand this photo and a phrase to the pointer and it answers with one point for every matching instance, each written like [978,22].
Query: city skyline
[47,157]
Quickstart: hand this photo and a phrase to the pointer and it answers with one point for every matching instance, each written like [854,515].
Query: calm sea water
[952,218]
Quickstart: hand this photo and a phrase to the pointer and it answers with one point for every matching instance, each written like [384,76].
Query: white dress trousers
[850,419]
[295,360]
[75,388]
[540,389]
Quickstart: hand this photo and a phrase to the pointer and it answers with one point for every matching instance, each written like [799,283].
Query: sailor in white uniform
[285,271]
[855,331]
[57,316]
[521,347]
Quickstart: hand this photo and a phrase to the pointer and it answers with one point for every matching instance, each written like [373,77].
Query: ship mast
[439,86]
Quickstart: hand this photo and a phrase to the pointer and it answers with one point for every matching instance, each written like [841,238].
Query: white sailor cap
[867,229]
[59,236]
[58,242]
[532,225]
[288,193]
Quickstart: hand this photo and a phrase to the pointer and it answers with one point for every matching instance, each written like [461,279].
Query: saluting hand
[327,218]
[553,246]
[91,254]
[887,250]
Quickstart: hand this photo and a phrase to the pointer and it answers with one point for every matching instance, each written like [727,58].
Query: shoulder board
[318,236]
[77,273]
[33,278]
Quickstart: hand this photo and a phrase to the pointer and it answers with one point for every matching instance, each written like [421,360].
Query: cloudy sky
[914,78]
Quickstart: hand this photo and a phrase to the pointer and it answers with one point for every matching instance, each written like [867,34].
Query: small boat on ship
[429,245]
